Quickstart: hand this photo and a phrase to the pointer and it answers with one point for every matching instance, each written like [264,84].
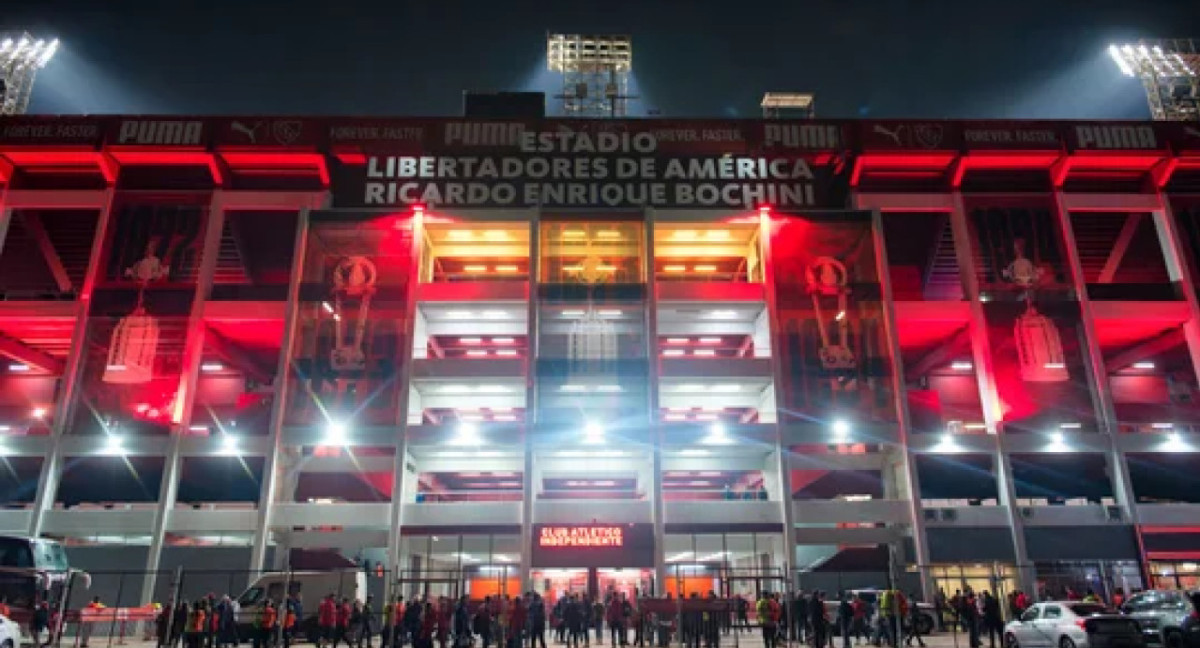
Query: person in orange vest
[196,624]
[264,633]
[291,616]
[93,611]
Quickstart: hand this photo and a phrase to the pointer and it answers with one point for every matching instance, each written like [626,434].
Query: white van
[310,586]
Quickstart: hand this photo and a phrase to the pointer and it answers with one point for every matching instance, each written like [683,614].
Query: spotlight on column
[336,433]
[717,435]
[841,430]
[467,435]
[114,445]
[593,433]
[229,444]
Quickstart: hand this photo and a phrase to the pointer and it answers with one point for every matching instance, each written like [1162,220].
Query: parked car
[1162,615]
[1072,624]
[1191,625]
[10,633]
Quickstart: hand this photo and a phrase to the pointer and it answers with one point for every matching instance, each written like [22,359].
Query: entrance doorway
[552,584]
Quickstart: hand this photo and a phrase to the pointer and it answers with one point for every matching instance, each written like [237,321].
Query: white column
[404,380]
[186,390]
[783,462]
[908,464]
[270,478]
[51,472]
[981,355]
[529,479]
[1095,368]
[657,505]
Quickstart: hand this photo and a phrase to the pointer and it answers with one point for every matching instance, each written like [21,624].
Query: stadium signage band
[581,536]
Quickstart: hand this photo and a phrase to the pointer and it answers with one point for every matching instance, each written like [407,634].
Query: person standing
[537,621]
[597,614]
[818,619]
[366,622]
[845,618]
[462,622]
[615,621]
[799,616]
[914,622]
[342,631]
[993,620]
[483,621]
[970,617]
[326,621]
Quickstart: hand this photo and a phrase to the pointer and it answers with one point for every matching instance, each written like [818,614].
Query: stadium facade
[619,353]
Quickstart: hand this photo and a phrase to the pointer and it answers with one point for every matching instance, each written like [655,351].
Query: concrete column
[657,504]
[64,406]
[271,465]
[193,352]
[981,356]
[404,380]
[529,479]
[783,462]
[1118,468]
[906,463]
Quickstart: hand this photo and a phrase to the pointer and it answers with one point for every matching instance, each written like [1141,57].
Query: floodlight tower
[1167,68]
[21,56]
[595,72]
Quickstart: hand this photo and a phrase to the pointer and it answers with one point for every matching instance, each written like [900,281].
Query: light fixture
[502,340]
[706,353]
[674,418]
[476,269]
[677,340]
[572,313]
[495,235]
[38,412]
[335,433]
[506,268]
[18,366]
[1057,438]
[506,352]
[1054,365]
[1145,364]
[5,428]
[684,235]
[114,445]
[975,426]
[467,435]
[593,433]
[673,353]
[470,340]
[705,268]
[717,435]
[723,314]
[608,388]
[572,388]
[1162,426]
[840,316]
[229,443]
[674,268]
[841,429]
[574,234]
[198,428]
[1073,425]
[608,313]
[460,235]
[961,365]
[327,306]
[720,235]
[211,366]
[477,353]
[710,340]
[608,234]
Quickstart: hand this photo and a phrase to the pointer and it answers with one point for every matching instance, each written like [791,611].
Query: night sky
[878,58]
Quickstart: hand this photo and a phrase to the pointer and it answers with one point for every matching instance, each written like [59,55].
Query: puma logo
[251,132]
[894,135]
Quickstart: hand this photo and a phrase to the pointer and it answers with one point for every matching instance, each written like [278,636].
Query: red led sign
[582,536]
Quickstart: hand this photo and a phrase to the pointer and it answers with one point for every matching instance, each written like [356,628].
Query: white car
[1072,624]
[10,633]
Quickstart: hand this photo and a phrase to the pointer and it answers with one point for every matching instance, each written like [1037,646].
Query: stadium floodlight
[595,71]
[21,56]
[1168,71]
